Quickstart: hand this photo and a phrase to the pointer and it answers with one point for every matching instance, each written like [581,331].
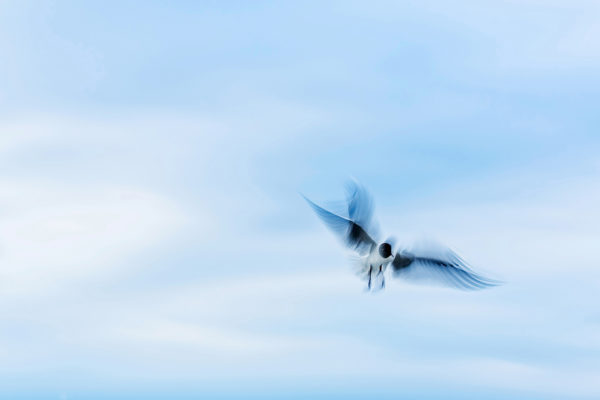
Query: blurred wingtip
[309,201]
[479,282]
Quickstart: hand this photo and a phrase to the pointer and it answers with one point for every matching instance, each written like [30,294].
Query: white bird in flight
[429,262]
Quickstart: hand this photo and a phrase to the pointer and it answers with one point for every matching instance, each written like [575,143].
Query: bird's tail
[377,280]
[374,278]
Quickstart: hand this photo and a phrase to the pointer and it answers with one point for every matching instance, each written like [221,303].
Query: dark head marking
[385,250]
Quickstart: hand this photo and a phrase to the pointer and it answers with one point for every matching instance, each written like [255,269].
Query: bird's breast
[374,259]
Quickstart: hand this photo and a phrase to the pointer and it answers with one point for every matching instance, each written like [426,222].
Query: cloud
[53,233]
[306,327]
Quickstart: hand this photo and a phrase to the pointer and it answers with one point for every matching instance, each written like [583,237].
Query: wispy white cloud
[54,233]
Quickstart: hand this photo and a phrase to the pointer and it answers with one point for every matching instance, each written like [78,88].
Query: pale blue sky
[153,243]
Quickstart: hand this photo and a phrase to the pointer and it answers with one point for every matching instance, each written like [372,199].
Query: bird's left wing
[353,235]
[446,267]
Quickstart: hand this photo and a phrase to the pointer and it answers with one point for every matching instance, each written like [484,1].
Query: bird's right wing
[360,204]
[353,235]
[445,267]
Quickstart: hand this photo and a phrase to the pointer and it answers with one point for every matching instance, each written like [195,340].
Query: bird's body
[376,260]
[374,265]
[430,262]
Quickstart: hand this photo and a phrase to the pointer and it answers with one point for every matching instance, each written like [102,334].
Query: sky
[154,245]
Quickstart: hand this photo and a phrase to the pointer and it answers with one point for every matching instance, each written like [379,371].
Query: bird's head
[385,250]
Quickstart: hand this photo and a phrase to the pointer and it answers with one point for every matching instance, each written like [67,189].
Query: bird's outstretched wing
[351,232]
[360,205]
[440,265]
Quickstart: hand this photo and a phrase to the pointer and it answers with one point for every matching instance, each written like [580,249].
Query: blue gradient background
[153,244]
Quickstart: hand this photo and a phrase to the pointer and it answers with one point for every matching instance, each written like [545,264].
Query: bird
[429,261]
